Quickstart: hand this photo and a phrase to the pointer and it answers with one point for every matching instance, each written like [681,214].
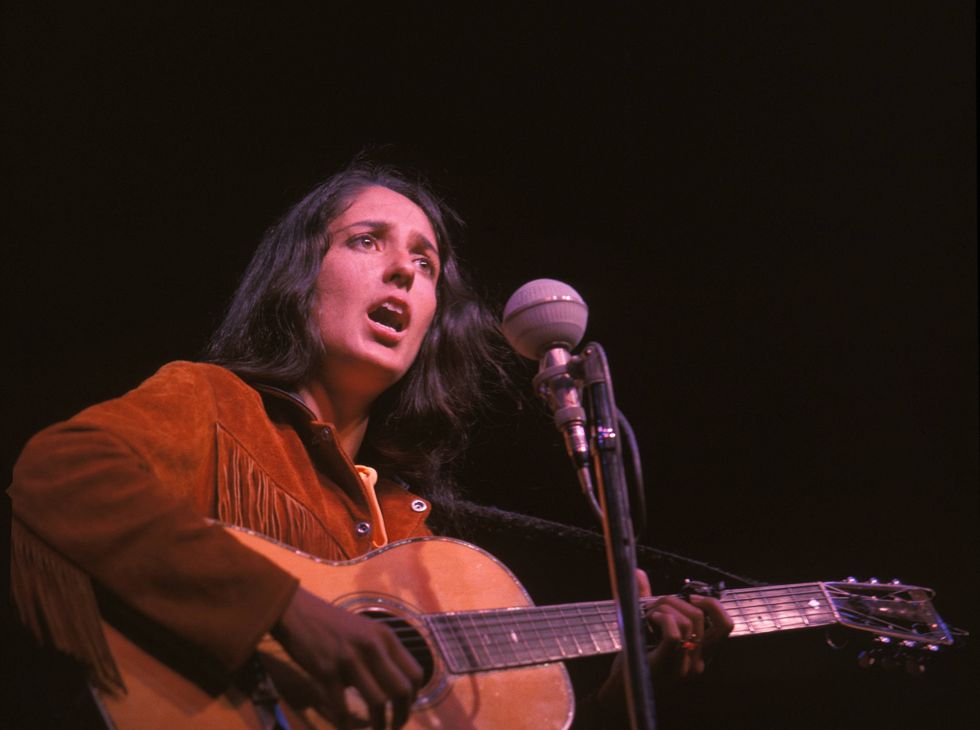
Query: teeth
[388,315]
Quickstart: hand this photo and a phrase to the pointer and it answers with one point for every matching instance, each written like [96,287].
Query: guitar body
[404,580]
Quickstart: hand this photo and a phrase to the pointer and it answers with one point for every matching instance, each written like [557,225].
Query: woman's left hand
[689,629]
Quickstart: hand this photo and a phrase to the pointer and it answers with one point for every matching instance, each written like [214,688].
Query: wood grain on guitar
[409,580]
[491,658]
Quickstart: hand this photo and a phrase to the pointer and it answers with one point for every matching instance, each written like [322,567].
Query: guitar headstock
[894,611]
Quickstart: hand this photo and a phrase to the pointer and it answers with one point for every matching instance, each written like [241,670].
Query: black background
[770,209]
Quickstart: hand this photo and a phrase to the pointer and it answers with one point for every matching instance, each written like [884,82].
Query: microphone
[543,321]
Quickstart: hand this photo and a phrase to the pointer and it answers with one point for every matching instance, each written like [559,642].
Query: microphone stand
[618,530]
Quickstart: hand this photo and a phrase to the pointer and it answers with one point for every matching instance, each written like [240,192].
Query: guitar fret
[513,637]
[762,610]
[453,642]
[499,638]
[604,639]
[503,645]
[543,619]
[560,636]
[542,649]
[483,645]
[578,647]
[586,625]
[595,624]
[567,643]
[772,617]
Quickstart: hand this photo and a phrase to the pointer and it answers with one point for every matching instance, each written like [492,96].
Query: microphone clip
[558,382]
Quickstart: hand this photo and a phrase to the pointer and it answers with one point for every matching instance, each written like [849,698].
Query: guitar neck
[495,639]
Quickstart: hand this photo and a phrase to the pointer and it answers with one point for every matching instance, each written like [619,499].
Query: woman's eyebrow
[383,227]
[418,240]
[372,224]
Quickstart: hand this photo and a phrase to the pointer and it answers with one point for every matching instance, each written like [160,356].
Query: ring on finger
[691,643]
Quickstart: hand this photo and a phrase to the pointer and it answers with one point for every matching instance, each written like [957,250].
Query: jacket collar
[318,436]
[286,396]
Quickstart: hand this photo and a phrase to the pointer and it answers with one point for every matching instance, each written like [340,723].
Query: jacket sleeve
[100,490]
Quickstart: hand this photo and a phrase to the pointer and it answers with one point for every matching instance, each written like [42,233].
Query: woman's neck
[349,414]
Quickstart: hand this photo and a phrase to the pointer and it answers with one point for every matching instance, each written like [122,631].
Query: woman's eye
[364,241]
[426,264]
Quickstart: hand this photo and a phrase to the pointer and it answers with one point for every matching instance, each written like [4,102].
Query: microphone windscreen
[543,314]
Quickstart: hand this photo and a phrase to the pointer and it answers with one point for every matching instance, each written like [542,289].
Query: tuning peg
[896,582]
[872,579]
[850,579]
[890,653]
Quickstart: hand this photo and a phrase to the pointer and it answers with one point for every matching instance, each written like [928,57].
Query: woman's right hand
[340,649]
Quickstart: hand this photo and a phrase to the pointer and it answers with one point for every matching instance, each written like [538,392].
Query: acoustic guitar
[491,658]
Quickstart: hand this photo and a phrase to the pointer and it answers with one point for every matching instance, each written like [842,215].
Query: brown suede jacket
[117,495]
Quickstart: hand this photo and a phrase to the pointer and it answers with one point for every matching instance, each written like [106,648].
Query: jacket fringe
[56,603]
[249,498]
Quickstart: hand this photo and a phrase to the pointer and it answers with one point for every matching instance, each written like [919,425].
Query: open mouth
[390,315]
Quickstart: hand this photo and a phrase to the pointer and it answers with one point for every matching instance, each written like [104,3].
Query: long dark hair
[270,332]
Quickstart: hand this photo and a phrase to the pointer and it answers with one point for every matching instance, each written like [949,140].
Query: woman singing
[345,374]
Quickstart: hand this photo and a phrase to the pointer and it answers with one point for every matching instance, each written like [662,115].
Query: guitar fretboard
[495,639]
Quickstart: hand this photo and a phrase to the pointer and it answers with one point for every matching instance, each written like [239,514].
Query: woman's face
[376,291]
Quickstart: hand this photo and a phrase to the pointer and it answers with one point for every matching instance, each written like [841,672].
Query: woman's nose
[400,269]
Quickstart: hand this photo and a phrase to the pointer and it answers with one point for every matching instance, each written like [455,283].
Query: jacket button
[362,528]
[321,437]
[419,506]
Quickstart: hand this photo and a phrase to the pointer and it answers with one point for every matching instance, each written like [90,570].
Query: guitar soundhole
[409,637]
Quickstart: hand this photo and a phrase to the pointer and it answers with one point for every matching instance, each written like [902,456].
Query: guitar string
[499,650]
[465,651]
[508,646]
[497,635]
[601,609]
[492,633]
[607,623]
[505,653]
[571,645]
[605,615]
[543,633]
[493,627]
